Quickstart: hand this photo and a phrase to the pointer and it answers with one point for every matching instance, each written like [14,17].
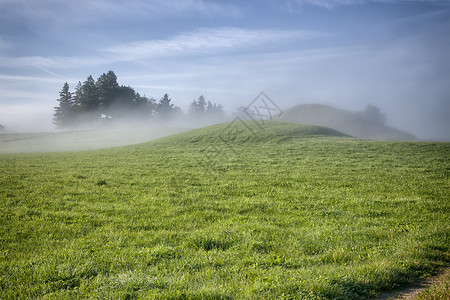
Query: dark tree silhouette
[64,113]
[201,108]
[93,101]
[198,107]
[87,98]
[374,114]
[108,91]
[214,109]
[145,107]
[164,108]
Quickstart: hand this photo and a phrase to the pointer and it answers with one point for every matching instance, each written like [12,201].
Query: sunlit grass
[282,212]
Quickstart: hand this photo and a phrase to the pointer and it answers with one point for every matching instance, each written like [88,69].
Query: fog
[36,133]
[426,122]
[347,54]
[80,140]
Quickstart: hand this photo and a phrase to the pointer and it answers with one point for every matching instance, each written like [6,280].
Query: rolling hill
[242,133]
[347,122]
[230,211]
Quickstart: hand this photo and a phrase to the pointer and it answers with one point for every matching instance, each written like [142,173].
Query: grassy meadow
[231,211]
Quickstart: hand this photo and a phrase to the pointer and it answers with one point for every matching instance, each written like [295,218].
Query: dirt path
[417,287]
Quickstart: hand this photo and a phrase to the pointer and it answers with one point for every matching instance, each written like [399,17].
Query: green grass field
[225,212]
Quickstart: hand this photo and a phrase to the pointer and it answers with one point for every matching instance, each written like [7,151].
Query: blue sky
[348,53]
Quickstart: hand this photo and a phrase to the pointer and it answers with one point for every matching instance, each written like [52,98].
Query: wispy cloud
[16,78]
[57,62]
[211,8]
[206,41]
[83,11]
[209,41]
[329,4]
[4,43]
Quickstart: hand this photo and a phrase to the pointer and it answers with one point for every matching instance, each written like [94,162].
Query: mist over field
[434,127]
[81,140]
[210,149]
[347,54]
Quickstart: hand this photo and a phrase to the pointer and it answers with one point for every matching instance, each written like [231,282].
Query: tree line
[105,101]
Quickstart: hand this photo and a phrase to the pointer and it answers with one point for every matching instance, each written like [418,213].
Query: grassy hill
[347,122]
[231,211]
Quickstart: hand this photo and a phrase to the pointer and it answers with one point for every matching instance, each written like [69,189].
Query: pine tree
[76,97]
[201,104]
[164,108]
[214,113]
[124,104]
[91,100]
[87,100]
[198,107]
[64,115]
[145,107]
[216,109]
[108,90]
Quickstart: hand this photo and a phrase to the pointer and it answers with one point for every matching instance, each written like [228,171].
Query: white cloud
[329,4]
[206,41]
[57,62]
[5,77]
[210,8]
[202,41]
[83,11]
[24,61]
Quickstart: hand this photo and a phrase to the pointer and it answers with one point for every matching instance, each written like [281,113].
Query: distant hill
[233,134]
[350,123]
[244,133]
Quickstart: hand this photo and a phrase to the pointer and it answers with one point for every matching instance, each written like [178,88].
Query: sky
[393,54]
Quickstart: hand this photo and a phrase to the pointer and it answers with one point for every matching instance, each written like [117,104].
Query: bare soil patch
[413,291]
